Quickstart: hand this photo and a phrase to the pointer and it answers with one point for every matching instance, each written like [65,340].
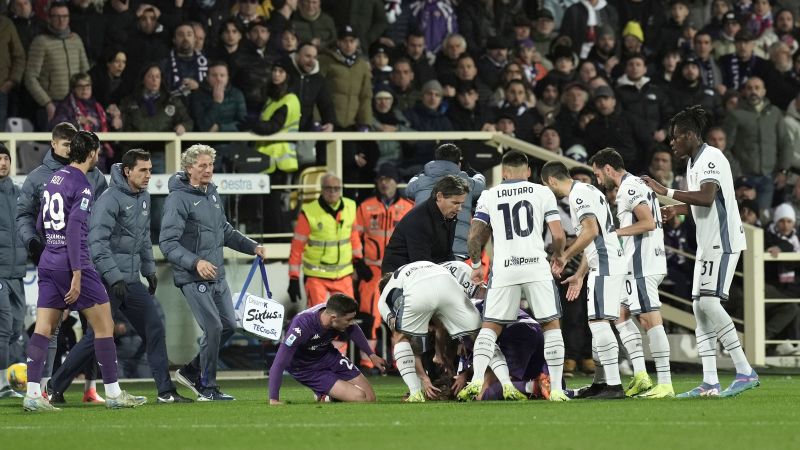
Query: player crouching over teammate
[64,221]
[310,357]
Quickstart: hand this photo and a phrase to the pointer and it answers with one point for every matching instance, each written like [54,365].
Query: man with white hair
[194,231]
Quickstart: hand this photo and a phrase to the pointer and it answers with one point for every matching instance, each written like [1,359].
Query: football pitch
[767,417]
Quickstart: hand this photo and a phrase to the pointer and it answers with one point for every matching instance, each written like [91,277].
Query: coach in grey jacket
[448,162]
[29,203]
[13,258]
[194,231]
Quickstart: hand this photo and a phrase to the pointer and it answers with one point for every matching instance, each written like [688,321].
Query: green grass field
[767,417]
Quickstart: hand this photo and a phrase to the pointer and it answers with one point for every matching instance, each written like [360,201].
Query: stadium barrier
[244,184]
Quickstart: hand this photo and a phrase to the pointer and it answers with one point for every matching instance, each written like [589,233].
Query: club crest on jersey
[298,331]
[202,288]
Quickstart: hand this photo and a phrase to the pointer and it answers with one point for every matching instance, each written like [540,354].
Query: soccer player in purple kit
[309,356]
[64,221]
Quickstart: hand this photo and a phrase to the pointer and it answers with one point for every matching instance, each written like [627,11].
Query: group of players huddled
[97,246]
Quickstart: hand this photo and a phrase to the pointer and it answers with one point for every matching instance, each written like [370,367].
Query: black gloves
[152,283]
[294,290]
[35,250]
[119,291]
[363,270]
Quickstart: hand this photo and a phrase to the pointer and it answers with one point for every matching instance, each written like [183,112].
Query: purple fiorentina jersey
[64,221]
[309,337]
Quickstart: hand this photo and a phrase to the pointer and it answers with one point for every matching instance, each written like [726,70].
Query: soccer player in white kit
[605,261]
[639,214]
[514,215]
[411,297]
[720,239]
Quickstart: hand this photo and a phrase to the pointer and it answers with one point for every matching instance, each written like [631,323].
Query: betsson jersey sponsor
[518,211]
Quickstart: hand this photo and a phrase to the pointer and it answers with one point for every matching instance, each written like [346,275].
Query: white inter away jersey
[517,212]
[605,252]
[719,228]
[645,252]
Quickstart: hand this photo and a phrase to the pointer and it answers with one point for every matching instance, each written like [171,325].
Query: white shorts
[502,303]
[605,294]
[443,298]
[713,275]
[642,293]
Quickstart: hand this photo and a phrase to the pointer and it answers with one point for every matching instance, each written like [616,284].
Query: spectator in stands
[663,71]
[466,113]
[526,56]
[184,68]
[475,22]
[527,120]
[644,103]
[83,110]
[786,30]
[668,36]
[313,25]
[467,72]
[582,26]
[448,162]
[281,114]
[53,58]
[563,67]
[148,41]
[289,42]
[725,43]
[366,17]
[587,70]
[512,71]
[612,128]
[254,65]
[785,84]
[218,106]
[428,115]
[660,168]
[446,60]
[388,118]
[604,53]
[743,64]
[419,55]
[119,20]
[792,121]
[548,104]
[687,89]
[279,21]
[379,63]
[437,20]
[710,73]
[401,83]
[27,24]
[759,23]
[248,12]
[632,44]
[758,139]
[348,81]
[88,23]
[12,65]
[199,36]
[505,124]
[719,9]
[716,137]
[573,102]
[308,84]
[112,79]
[151,108]
[543,31]
[492,63]
[229,46]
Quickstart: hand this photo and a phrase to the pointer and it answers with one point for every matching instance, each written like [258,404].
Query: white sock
[632,340]
[599,373]
[89,384]
[112,389]
[500,367]
[607,351]
[659,348]
[554,356]
[726,333]
[3,379]
[34,390]
[404,357]
[482,353]
[706,344]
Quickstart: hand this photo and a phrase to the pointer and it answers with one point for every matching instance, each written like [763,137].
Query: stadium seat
[308,177]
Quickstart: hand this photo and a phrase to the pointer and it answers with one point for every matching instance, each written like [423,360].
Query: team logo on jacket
[144,204]
[170,110]
[202,288]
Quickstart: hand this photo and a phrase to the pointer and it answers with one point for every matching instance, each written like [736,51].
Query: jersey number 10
[513,221]
[53,211]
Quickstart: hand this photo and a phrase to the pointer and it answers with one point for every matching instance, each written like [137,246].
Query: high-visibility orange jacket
[375,222]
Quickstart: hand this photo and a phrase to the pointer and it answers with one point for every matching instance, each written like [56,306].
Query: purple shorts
[321,375]
[54,285]
[523,347]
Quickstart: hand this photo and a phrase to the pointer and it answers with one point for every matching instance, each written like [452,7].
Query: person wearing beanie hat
[634,29]
[379,61]
[604,51]
[430,114]
[348,81]
[492,63]
[376,219]
[12,270]
[780,280]
[687,89]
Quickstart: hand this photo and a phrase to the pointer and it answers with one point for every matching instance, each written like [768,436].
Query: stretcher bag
[260,317]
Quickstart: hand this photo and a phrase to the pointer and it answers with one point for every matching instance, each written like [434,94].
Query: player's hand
[152,283]
[378,362]
[477,275]
[667,213]
[35,250]
[74,288]
[363,270]
[459,381]
[120,291]
[574,285]
[654,185]
[206,270]
[272,401]
[261,252]
[294,290]
[429,389]
[557,265]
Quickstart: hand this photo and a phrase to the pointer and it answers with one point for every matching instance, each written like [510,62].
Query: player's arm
[590,230]
[173,224]
[78,217]
[101,225]
[357,336]
[575,282]
[279,365]
[704,197]
[644,222]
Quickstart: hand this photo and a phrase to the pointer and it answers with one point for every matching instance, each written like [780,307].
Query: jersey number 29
[53,211]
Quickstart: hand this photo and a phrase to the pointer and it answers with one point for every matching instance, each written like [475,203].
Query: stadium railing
[753,275]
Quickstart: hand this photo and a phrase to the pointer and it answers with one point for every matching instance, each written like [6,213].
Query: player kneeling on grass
[67,278]
[310,357]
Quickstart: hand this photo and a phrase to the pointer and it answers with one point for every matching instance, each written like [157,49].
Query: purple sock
[37,357]
[106,353]
[493,392]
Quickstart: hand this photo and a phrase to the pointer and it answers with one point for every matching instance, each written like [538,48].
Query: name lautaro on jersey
[511,191]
